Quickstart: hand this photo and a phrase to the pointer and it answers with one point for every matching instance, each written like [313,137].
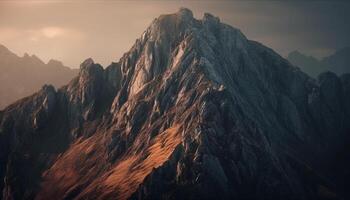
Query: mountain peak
[185,12]
[295,53]
[173,24]
[90,69]
[171,37]
[32,59]
[210,18]
[53,62]
[26,55]
[88,62]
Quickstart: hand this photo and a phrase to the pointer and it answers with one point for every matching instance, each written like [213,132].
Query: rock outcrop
[194,110]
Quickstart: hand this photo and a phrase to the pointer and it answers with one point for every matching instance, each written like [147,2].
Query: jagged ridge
[22,76]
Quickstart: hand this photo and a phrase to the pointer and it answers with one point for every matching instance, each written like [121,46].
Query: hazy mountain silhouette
[339,62]
[21,76]
[194,110]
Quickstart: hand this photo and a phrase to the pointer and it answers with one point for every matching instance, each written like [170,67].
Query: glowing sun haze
[71,31]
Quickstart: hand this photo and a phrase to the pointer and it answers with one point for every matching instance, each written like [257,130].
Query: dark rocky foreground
[194,110]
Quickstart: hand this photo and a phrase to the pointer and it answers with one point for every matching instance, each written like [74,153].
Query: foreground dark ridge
[193,111]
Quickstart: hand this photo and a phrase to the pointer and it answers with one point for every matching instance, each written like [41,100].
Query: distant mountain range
[338,63]
[22,76]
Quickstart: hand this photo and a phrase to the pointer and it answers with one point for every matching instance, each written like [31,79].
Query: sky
[73,30]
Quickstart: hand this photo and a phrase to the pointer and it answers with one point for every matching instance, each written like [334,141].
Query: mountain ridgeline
[338,63]
[194,110]
[22,76]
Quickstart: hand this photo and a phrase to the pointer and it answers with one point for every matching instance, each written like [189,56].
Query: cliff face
[22,76]
[194,110]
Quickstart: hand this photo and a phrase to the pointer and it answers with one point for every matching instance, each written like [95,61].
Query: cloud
[41,34]
[52,32]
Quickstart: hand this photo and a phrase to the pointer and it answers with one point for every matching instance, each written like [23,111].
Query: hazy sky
[73,30]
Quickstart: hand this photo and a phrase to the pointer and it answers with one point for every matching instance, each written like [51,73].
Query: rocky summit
[194,110]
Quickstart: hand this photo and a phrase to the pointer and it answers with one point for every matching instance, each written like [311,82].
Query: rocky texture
[338,62]
[194,110]
[22,76]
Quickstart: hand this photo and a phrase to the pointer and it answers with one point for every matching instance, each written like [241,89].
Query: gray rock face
[194,110]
